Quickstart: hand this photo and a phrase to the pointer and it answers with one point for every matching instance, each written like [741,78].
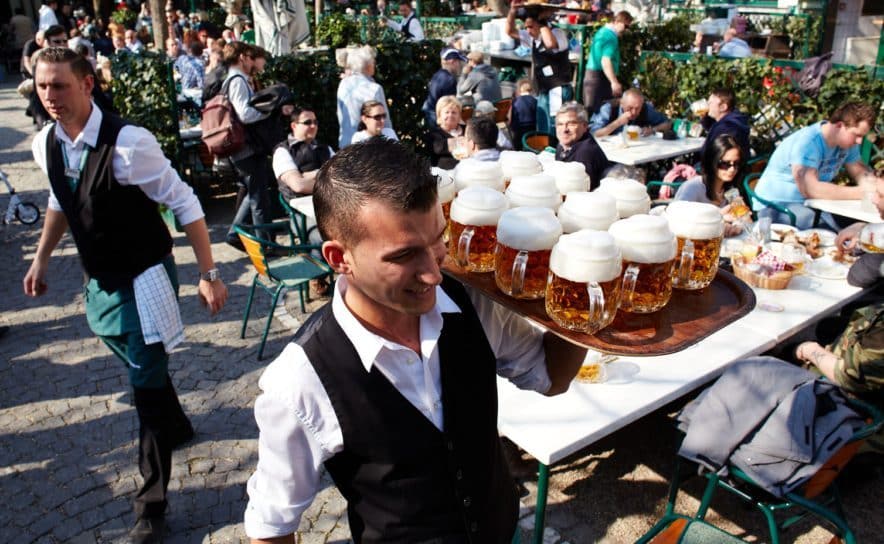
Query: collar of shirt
[89,134]
[236,71]
[369,345]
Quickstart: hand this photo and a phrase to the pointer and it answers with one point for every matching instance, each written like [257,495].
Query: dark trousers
[162,423]
[255,174]
[596,90]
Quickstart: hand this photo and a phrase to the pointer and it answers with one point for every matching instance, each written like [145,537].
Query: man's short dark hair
[854,113]
[623,17]
[195,48]
[80,66]
[727,97]
[375,169]
[233,51]
[54,30]
[297,111]
[482,131]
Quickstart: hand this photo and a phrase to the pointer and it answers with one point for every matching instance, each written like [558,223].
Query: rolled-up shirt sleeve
[517,344]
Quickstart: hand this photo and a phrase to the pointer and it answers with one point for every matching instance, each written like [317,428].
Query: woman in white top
[372,122]
[722,166]
[356,88]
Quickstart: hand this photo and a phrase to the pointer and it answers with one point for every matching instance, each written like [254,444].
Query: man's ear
[335,254]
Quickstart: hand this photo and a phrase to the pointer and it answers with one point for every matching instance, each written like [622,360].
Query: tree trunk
[158,22]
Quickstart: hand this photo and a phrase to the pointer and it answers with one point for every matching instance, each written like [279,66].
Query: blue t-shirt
[808,148]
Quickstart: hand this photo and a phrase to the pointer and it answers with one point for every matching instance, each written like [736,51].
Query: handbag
[26,87]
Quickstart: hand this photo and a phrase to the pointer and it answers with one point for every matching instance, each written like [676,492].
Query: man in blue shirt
[804,165]
[191,67]
[632,109]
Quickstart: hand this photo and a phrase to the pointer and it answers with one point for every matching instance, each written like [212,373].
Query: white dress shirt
[414,27]
[299,429]
[137,160]
[284,162]
[364,135]
[239,92]
[353,91]
[47,18]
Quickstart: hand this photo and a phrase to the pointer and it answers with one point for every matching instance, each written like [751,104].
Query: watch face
[211,275]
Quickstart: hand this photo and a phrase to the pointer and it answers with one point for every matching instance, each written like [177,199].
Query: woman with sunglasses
[373,122]
[450,125]
[722,165]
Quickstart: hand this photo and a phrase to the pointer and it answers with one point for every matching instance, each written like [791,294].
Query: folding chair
[503,109]
[294,269]
[817,497]
[535,141]
[299,221]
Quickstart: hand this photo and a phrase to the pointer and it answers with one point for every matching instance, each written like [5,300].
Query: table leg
[816,218]
[540,508]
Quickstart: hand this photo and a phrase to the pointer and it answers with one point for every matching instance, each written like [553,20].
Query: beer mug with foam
[583,290]
[446,189]
[648,248]
[525,237]
[699,229]
[518,163]
[570,176]
[631,195]
[473,227]
[470,173]
[582,210]
[537,190]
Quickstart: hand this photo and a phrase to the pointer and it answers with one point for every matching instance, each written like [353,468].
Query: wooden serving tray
[689,317]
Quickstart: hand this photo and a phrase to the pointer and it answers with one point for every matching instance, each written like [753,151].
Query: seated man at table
[804,165]
[481,137]
[297,160]
[731,46]
[576,144]
[631,109]
[413,448]
[723,117]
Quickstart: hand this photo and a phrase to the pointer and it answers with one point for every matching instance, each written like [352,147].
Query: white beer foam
[519,163]
[534,190]
[478,206]
[472,172]
[644,239]
[570,176]
[528,228]
[445,183]
[694,220]
[583,210]
[586,255]
[632,196]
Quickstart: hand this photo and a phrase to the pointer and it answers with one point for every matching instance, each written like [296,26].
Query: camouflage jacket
[861,351]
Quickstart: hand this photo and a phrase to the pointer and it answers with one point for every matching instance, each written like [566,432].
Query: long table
[853,209]
[647,148]
[551,428]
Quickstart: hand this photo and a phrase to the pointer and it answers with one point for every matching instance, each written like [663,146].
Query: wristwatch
[211,275]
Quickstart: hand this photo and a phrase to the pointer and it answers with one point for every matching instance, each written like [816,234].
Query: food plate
[828,268]
[777,230]
[827,237]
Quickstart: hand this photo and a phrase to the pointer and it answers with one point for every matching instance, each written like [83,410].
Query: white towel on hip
[158,308]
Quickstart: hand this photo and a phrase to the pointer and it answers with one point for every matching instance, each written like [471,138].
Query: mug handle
[596,303]
[463,247]
[686,262]
[519,265]
[627,288]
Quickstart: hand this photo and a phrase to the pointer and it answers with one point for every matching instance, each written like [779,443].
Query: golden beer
[472,247]
[697,268]
[871,238]
[647,287]
[571,305]
[520,273]
[633,132]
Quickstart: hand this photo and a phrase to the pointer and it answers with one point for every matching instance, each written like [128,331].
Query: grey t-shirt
[693,190]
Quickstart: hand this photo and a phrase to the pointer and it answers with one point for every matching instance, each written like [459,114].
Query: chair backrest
[466,113]
[255,251]
[298,219]
[503,109]
[535,141]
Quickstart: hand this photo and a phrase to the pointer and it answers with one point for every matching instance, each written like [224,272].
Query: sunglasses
[378,117]
[59,41]
[727,165]
[308,122]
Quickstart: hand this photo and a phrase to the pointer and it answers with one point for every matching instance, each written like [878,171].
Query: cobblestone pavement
[68,430]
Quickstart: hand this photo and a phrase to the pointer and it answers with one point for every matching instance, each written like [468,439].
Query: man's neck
[829,132]
[404,329]
[74,127]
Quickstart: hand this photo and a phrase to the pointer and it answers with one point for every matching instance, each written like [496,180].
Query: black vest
[118,230]
[641,120]
[404,480]
[557,61]
[406,30]
[307,157]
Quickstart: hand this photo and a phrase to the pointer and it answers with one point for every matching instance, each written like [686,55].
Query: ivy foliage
[124,16]
[144,95]
[337,30]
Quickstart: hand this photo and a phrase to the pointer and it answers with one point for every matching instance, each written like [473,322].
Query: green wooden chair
[299,221]
[817,497]
[278,267]
[755,167]
[535,141]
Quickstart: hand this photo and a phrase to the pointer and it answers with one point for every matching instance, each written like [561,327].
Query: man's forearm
[54,228]
[563,360]
[608,69]
[198,235]
[609,128]
[807,180]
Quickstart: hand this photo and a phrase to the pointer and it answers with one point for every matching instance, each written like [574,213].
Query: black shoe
[235,242]
[148,531]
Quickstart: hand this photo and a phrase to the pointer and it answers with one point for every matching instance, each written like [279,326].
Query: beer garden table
[647,149]
[845,208]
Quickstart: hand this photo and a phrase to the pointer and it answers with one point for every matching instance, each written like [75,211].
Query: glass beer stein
[569,176]
[582,210]
[525,237]
[583,290]
[473,227]
[631,196]
[649,249]
[536,190]
[699,229]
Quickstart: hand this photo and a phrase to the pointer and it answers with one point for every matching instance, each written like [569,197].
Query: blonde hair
[445,102]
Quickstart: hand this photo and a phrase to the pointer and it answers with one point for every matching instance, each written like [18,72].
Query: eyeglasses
[378,117]
[569,124]
[308,122]
[727,165]
[58,41]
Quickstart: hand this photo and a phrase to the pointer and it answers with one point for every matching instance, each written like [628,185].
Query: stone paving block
[311,538]
[66,529]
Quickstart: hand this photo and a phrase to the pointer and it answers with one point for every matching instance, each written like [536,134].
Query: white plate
[827,268]
[777,228]
[827,237]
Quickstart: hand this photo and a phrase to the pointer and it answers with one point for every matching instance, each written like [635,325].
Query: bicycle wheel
[27,213]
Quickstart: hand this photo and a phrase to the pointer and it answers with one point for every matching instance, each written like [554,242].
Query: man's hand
[35,280]
[647,131]
[624,118]
[616,88]
[848,238]
[213,295]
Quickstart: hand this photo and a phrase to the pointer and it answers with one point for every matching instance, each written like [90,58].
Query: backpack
[811,77]
[223,132]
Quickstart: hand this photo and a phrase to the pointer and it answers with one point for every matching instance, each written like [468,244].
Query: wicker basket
[777,280]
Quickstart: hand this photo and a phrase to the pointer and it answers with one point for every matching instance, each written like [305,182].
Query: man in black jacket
[393,386]
[725,118]
[576,144]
